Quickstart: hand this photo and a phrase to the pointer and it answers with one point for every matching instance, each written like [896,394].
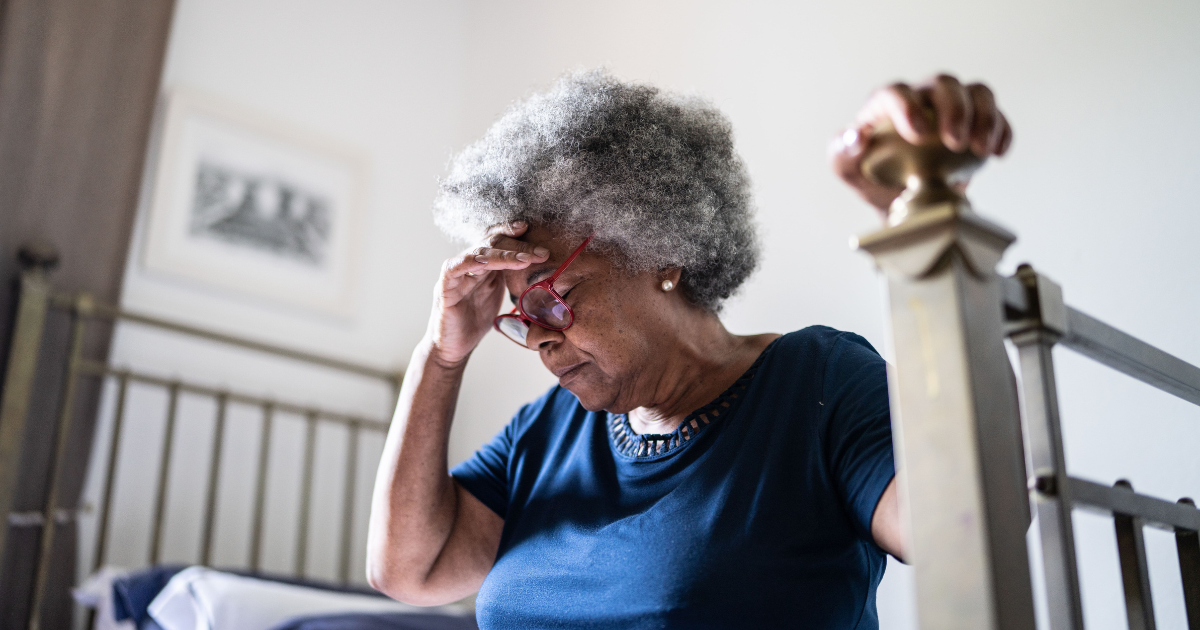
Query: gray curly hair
[653,175]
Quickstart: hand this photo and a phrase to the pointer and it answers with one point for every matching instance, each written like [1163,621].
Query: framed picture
[243,203]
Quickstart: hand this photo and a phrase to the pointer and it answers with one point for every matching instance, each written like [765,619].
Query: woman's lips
[568,372]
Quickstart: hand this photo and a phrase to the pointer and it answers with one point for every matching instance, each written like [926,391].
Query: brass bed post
[80,310]
[1035,331]
[955,413]
[30,321]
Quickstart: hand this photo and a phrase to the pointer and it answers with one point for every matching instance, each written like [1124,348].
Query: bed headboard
[38,300]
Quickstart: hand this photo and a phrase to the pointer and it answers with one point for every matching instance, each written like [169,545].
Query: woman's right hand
[967,119]
[471,289]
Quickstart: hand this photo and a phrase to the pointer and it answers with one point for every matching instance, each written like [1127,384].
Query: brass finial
[927,171]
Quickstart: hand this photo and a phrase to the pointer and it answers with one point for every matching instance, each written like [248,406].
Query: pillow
[199,598]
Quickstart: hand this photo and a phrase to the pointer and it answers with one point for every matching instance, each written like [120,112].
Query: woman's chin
[589,397]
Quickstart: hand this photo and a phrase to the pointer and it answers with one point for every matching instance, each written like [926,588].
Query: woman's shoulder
[821,339]
[815,347]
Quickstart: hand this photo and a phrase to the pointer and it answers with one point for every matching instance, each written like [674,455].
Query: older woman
[678,476]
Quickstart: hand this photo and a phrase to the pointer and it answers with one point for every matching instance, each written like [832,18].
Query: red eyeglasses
[541,305]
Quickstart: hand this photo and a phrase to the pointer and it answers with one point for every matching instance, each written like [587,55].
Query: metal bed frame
[963,427]
[36,299]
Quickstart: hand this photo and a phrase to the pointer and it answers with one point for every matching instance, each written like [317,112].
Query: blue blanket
[380,621]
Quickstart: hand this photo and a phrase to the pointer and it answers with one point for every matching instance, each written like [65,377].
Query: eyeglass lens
[514,329]
[541,306]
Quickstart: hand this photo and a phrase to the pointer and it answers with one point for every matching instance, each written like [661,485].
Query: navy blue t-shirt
[755,513]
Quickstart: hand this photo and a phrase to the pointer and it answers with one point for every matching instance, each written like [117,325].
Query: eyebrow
[537,274]
[531,278]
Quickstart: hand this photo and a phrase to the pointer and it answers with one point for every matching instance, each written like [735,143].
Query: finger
[1006,135]
[528,251]
[457,283]
[463,268]
[495,259]
[902,106]
[845,156]
[985,129]
[513,229]
[846,152]
[953,108]
[851,143]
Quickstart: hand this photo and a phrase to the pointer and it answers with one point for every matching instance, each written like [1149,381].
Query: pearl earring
[668,285]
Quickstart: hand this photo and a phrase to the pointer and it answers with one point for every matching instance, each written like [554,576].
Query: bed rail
[1038,321]
[958,415]
[1110,346]
[37,299]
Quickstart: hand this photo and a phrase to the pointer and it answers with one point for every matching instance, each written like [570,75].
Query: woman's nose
[539,337]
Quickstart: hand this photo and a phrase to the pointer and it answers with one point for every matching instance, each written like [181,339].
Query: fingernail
[853,142]
[518,224]
[850,137]
[523,257]
[481,259]
[541,252]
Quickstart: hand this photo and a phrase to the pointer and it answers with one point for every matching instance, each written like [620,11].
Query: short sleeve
[858,427]
[485,474]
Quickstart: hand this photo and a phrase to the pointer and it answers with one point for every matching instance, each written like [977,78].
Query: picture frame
[243,203]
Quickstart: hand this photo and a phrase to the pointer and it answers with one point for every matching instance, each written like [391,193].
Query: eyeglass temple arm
[569,260]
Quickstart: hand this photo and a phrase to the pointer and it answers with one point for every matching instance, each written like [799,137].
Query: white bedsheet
[96,592]
[200,598]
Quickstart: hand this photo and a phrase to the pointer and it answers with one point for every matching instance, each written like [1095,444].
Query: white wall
[378,75]
[383,77]
[1101,184]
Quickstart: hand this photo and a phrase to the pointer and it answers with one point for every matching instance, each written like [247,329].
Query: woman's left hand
[967,119]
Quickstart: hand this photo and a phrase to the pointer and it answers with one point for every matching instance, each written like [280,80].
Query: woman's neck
[695,369]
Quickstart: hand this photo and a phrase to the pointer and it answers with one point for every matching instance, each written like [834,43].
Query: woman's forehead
[560,246]
[544,236]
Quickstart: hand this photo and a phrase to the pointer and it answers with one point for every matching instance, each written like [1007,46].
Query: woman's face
[610,354]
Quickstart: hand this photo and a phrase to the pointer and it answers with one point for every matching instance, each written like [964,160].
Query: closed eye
[564,294]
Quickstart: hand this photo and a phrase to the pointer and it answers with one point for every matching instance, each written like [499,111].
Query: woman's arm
[430,541]
[885,524]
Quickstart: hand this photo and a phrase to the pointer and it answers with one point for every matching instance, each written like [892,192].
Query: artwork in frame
[243,203]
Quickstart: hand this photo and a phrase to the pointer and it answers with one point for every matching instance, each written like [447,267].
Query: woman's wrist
[431,353]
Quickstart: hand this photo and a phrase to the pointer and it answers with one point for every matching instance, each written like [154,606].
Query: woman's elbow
[378,577]
[384,574]
[398,587]
[402,586]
